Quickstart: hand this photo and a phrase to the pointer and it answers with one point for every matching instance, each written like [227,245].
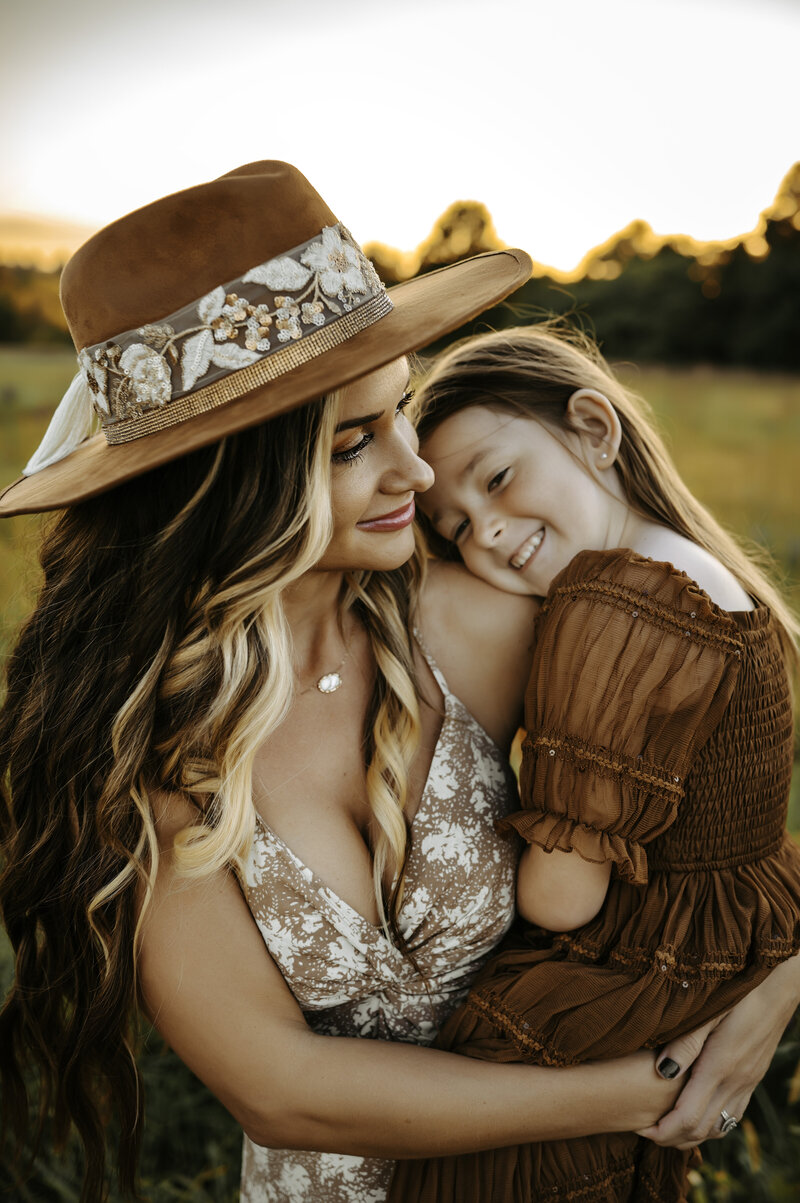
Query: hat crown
[167,254]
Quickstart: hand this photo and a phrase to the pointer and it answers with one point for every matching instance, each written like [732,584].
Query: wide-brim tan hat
[216,308]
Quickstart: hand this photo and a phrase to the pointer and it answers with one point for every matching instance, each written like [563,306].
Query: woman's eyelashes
[351,454]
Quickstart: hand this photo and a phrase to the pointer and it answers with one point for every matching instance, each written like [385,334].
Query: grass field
[735,438]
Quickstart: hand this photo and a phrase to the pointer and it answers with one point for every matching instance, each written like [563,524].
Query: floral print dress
[349,979]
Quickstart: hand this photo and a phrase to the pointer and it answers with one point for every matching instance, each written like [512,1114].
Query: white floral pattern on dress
[349,979]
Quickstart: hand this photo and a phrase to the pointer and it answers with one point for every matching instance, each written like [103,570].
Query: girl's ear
[595,421]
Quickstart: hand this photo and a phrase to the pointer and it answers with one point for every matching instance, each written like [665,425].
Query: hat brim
[425,308]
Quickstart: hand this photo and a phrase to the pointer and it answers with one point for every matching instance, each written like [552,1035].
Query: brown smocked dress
[660,738]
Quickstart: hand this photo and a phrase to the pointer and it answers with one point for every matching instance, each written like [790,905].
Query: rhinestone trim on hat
[279,315]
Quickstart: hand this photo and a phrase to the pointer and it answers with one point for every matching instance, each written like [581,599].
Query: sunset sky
[566,119]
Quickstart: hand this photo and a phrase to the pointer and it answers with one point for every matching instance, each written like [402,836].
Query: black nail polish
[669,1068]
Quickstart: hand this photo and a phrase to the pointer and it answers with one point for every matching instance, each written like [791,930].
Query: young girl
[658,749]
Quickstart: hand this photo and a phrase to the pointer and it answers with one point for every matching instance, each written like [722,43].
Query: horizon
[33,240]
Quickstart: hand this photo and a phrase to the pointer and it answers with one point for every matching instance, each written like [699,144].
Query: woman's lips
[527,550]
[394,521]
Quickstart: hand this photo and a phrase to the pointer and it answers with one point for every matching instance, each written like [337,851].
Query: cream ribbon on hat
[73,421]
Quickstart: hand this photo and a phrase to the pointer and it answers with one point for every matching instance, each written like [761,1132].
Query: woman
[222,659]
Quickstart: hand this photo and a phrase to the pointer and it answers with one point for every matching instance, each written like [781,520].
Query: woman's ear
[595,421]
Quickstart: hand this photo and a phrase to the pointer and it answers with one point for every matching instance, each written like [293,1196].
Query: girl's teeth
[520,558]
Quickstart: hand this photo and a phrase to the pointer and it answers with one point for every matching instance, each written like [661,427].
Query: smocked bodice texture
[659,737]
[349,979]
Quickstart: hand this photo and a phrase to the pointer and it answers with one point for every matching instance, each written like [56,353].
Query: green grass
[31,384]
[735,438]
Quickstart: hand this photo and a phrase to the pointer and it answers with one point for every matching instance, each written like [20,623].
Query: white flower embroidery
[280,275]
[148,374]
[127,378]
[156,335]
[312,313]
[97,379]
[286,322]
[338,265]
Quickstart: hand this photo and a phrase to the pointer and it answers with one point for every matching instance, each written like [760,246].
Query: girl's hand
[729,1056]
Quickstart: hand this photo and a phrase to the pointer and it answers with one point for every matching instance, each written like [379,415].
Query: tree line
[644,297]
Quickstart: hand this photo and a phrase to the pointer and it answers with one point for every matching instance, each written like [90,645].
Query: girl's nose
[488,530]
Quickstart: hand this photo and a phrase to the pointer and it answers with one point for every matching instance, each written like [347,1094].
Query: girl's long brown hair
[532,371]
[157,659]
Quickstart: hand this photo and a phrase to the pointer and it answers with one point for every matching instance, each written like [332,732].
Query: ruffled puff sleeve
[633,668]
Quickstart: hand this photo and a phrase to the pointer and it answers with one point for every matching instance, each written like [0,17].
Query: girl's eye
[497,480]
[460,530]
[351,454]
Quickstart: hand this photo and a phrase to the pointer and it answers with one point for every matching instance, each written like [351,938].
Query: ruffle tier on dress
[660,738]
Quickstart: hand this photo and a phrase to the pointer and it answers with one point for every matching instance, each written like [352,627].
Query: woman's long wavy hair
[532,371]
[158,659]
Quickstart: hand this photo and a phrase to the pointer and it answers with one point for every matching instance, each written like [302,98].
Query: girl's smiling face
[518,498]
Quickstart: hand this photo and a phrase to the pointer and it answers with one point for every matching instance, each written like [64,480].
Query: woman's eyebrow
[365,420]
[349,423]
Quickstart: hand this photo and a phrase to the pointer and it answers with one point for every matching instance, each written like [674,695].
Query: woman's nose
[408,471]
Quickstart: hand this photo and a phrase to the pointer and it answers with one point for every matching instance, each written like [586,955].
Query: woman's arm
[728,1059]
[219,1000]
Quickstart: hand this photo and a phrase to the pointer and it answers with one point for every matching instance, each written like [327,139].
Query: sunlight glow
[566,121]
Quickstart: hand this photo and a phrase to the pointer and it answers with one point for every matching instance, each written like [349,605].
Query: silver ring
[729,1122]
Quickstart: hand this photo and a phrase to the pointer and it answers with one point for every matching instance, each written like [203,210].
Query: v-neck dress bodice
[349,978]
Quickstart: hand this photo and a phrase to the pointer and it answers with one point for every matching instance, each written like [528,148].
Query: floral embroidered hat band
[216,308]
[217,348]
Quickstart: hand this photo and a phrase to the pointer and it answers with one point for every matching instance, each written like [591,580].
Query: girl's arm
[482,639]
[218,999]
[560,890]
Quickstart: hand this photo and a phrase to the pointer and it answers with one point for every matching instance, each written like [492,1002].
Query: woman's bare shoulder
[461,602]
[482,640]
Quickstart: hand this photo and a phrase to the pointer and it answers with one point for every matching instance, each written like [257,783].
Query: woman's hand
[729,1056]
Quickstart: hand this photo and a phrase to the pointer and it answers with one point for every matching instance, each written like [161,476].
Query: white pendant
[329,683]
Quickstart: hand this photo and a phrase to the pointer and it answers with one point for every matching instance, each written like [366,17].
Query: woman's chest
[310,788]
[458,901]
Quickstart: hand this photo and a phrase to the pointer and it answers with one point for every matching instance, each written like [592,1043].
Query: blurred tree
[30,310]
[646,297]
[465,228]
[675,300]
